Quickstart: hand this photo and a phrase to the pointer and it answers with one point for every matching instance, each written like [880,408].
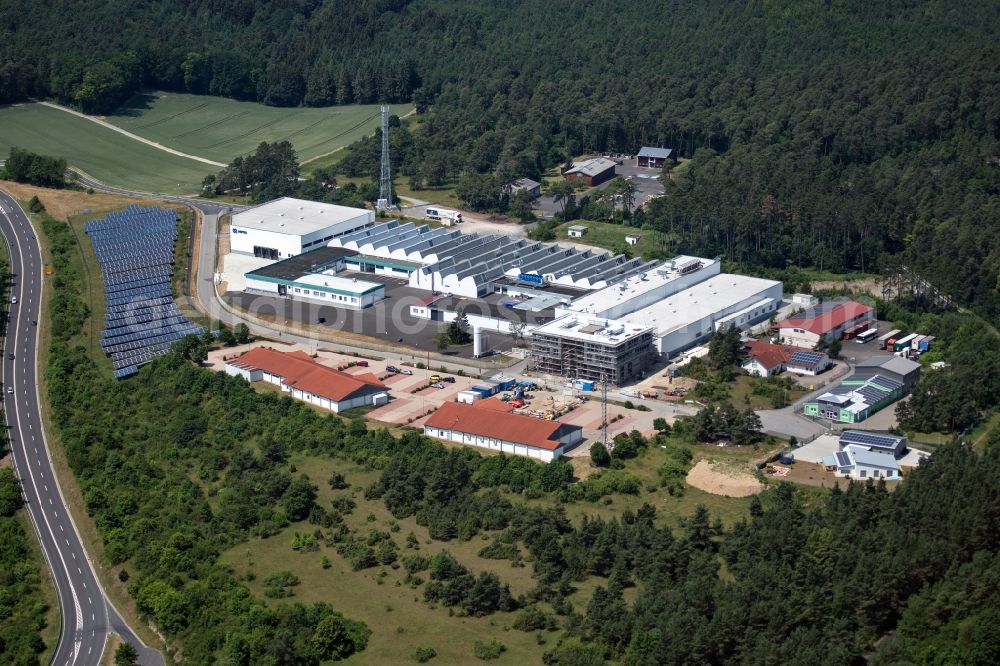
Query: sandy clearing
[721,480]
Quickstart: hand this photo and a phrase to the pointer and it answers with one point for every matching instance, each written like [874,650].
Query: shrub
[488,651]
[424,654]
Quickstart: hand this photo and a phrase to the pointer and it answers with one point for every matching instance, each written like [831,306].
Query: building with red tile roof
[306,379]
[510,433]
[828,321]
[765,359]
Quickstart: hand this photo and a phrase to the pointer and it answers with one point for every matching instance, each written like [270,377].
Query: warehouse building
[532,187]
[691,317]
[312,277]
[828,321]
[855,398]
[897,368]
[646,288]
[299,375]
[498,431]
[473,265]
[593,349]
[287,227]
[593,172]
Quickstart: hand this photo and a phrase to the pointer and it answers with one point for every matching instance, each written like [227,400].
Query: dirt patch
[868,286]
[725,480]
[60,204]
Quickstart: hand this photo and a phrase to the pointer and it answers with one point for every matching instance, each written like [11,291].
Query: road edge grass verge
[116,591]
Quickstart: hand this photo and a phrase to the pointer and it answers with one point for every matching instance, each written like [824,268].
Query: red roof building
[829,321]
[307,380]
[498,431]
[765,359]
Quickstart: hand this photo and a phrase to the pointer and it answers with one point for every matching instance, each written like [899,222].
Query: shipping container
[904,342]
[915,343]
[469,397]
[925,344]
[484,391]
[891,335]
[504,383]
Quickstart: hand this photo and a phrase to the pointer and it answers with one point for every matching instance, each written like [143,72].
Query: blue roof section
[661,153]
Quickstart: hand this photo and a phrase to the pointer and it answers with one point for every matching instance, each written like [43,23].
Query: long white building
[692,316]
[287,227]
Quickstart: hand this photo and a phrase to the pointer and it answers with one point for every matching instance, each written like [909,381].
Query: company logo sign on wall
[239,231]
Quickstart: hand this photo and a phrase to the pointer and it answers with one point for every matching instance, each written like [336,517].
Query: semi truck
[445,216]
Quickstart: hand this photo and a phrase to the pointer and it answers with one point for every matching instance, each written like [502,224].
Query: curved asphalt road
[86,616]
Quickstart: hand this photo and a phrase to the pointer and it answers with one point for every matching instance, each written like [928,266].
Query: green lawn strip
[103,153]
[219,129]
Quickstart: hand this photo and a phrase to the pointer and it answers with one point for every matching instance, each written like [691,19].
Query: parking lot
[412,400]
[647,185]
[389,321]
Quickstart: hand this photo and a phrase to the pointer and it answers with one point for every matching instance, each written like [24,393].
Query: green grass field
[220,129]
[107,155]
[611,237]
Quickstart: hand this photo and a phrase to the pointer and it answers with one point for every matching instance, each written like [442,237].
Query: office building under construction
[593,349]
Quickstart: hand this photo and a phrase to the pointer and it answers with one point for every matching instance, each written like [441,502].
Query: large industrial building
[590,314]
[313,277]
[287,227]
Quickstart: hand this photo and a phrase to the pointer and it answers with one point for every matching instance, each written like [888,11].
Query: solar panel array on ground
[135,248]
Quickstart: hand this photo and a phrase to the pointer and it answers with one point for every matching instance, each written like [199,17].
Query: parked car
[13,300]
[406,371]
[434,379]
[10,357]
[391,368]
[450,380]
[10,389]
[437,385]
[361,364]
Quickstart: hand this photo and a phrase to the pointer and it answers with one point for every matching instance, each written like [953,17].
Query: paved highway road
[86,616]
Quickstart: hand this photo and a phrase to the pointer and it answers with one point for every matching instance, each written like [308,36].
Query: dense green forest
[826,134]
[22,602]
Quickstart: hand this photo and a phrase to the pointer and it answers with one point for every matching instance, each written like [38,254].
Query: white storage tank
[478,338]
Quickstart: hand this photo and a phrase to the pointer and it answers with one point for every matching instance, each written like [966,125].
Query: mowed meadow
[103,153]
[220,129]
[208,127]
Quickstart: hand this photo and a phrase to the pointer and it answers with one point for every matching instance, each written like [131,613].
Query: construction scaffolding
[593,359]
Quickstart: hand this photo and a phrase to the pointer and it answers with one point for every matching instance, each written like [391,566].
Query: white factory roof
[340,284]
[603,331]
[602,299]
[296,217]
[703,299]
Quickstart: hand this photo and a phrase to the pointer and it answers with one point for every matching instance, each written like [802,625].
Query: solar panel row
[135,250]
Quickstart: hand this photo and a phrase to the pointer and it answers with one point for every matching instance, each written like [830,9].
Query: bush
[488,651]
[424,654]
